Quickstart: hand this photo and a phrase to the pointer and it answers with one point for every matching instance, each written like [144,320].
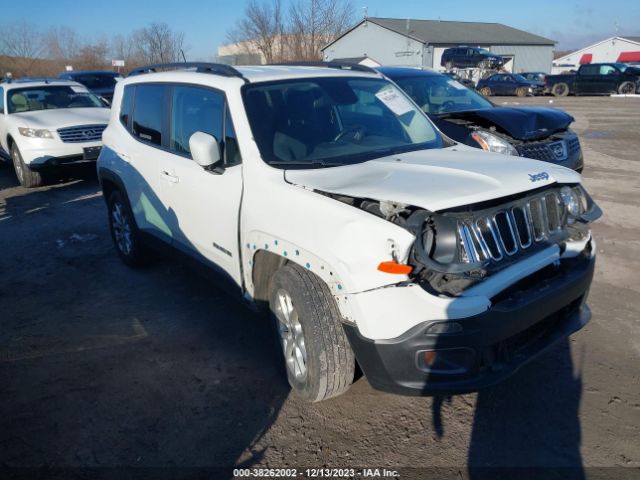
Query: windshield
[97,80]
[334,121]
[519,78]
[51,97]
[438,94]
[484,51]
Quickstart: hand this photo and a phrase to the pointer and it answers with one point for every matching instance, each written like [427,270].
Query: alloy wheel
[291,335]
[121,228]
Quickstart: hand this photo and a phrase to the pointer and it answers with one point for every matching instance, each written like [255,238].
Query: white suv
[48,122]
[325,193]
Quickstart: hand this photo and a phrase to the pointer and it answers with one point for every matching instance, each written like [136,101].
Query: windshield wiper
[312,164]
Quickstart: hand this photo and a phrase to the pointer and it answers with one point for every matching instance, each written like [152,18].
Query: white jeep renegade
[325,192]
[45,123]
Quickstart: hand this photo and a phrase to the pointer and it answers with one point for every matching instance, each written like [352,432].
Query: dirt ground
[104,366]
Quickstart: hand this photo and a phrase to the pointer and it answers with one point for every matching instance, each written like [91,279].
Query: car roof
[250,74]
[39,82]
[406,72]
[91,72]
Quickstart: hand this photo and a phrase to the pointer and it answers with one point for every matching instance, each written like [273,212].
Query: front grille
[509,230]
[555,150]
[82,133]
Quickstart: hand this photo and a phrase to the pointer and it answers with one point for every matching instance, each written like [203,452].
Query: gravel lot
[103,366]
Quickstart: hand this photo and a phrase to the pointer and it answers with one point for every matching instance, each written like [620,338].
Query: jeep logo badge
[534,177]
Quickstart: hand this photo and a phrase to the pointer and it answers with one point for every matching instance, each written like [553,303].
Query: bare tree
[314,23]
[62,43]
[23,42]
[157,43]
[260,30]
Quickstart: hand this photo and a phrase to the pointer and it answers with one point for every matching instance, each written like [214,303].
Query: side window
[589,70]
[608,70]
[1,100]
[148,113]
[193,110]
[126,105]
[231,148]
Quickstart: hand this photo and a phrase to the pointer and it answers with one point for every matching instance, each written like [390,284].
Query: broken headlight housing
[493,143]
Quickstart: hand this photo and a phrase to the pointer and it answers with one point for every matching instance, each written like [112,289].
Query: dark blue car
[470,57]
[467,117]
[509,84]
[100,82]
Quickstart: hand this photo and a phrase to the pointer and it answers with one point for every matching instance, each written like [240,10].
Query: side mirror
[205,151]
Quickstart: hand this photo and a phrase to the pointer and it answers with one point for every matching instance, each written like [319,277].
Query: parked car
[537,77]
[49,122]
[470,57]
[469,118]
[100,82]
[326,194]
[464,81]
[596,79]
[509,84]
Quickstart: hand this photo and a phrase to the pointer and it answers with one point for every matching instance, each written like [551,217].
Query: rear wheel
[627,88]
[560,90]
[124,232]
[317,356]
[27,177]
[485,91]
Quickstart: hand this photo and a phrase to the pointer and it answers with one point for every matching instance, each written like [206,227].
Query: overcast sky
[205,23]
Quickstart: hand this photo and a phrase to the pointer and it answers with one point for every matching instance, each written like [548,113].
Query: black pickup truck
[595,79]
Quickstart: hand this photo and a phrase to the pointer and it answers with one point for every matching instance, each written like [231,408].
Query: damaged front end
[460,247]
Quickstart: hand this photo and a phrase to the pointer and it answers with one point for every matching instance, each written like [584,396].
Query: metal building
[420,43]
[624,49]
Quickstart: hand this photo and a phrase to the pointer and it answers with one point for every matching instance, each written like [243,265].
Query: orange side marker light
[395,268]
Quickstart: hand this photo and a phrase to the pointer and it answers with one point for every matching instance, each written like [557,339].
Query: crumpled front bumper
[451,356]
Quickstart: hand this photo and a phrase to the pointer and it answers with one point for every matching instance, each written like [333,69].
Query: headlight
[493,143]
[35,132]
[572,203]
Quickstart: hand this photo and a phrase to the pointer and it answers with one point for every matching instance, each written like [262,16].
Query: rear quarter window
[127,105]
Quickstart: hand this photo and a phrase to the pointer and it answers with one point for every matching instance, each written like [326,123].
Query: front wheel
[522,91]
[27,177]
[317,356]
[627,88]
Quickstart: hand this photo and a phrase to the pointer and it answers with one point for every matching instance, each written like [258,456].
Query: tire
[317,355]
[485,91]
[627,88]
[124,231]
[522,92]
[27,177]
[560,90]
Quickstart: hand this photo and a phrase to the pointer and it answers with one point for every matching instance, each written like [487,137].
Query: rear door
[206,204]
[587,79]
[142,156]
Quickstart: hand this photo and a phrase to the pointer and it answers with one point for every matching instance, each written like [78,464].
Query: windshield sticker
[394,101]
[79,89]
[457,85]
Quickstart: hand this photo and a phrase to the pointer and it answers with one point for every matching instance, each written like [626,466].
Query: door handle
[169,176]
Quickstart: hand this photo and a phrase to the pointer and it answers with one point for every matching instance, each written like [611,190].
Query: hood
[522,123]
[63,117]
[435,179]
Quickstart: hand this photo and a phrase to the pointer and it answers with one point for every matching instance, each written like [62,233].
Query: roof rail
[337,65]
[201,67]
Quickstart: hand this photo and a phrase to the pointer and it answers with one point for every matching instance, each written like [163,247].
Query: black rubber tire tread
[330,359]
[30,179]
[623,85]
[564,93]
[140,253]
